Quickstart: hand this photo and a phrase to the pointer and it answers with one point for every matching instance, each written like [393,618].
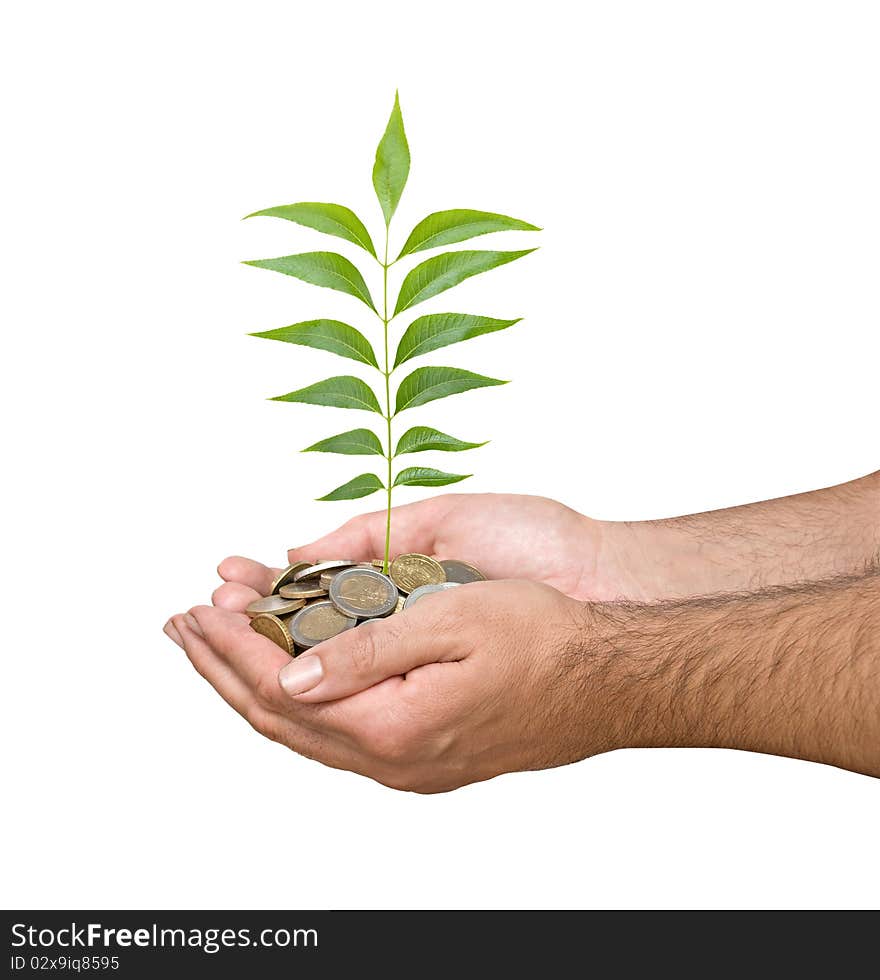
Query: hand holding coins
[312,602]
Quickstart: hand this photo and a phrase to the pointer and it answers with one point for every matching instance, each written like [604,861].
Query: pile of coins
[310,602]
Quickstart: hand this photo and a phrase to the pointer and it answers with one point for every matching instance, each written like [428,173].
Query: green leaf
[321,269]
[344,391]
[429,383]
[392,163]
[421,438]
[444,271]
[332,335]
[422,476]
[332,219]
[356,442]
[360,486]
[437,330]
[448,227]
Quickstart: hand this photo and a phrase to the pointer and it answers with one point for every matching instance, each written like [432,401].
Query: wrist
[640,561]
[673,674]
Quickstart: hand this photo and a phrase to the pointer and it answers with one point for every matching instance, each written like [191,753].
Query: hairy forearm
[789,671]
[807,537]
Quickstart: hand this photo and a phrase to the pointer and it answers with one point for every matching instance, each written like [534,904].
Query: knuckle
[199,667]
[267,689]
[388,742]
[365,650]
[355,523]
[452,617]
[259,719]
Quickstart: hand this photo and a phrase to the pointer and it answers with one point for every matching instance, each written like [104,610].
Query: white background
[700,330]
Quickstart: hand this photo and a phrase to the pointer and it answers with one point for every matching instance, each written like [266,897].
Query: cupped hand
[507,536]
[466,684]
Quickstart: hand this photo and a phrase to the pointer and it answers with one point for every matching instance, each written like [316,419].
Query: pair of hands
[467,684]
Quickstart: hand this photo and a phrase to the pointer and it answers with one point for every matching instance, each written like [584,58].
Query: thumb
[376,650]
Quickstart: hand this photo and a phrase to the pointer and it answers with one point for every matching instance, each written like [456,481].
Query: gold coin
[273,629]
[363,592]
[317,568]
[317,622]
[410,571]
[400,604]
[274,604]
[460,571]
[302,590]
[287,575]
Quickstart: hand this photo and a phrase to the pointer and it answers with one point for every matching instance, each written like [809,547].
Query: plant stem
[387,372]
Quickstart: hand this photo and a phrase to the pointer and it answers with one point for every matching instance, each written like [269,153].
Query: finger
[377,650]
[254,659]
[413,528]
[216,672]
[234,596]
[322,746]
[247,572]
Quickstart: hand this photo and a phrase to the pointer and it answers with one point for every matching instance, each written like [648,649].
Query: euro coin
[363,592]
[401,603]
[424,590]
[315,570]
[274,604]
[273,629]
[302,590]
[411,571]
[287,575]
[317,622]
[460,571]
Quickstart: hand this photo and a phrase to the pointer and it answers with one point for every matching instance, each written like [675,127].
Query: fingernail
[301,675]
[192,623]
[172,634]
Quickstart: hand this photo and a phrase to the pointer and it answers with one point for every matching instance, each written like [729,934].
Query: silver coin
[314,571]
[318,622]
[363,592]
[461,572]
[424,590]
